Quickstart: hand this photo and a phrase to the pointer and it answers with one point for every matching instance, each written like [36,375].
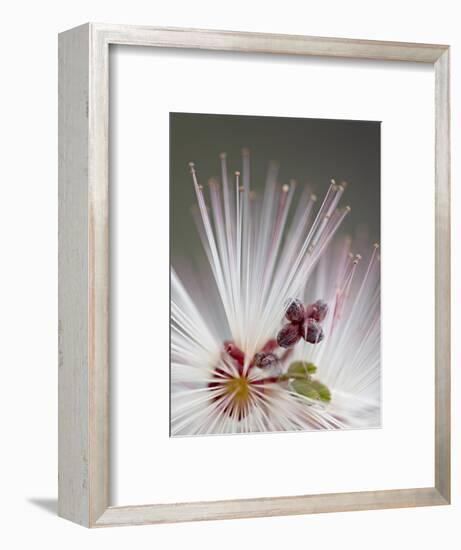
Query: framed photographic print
[254,285]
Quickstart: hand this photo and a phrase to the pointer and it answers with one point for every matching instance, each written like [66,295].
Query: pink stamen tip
[236,353]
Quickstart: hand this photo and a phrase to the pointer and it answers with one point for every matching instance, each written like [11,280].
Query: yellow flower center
[236,395]
[239,389]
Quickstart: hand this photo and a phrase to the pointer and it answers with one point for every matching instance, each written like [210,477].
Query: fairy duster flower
[282,334]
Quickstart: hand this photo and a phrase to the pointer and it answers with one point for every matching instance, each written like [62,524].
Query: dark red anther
[311,311]
[265,360]
[295,312]
[236,353]
[289,335]
[322,310]
[312,331]
[318,310]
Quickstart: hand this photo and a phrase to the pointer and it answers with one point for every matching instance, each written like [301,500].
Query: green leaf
[313,389]
[322,390]
[301,368]
[304,387]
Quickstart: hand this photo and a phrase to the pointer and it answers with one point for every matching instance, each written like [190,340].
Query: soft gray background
[309,150]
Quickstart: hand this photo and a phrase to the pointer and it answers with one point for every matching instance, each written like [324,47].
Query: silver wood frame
[84,484]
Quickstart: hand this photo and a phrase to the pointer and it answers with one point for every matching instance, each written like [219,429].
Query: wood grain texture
[84,484]
[442,276]
[74,459]
[99,277]
[269,43]
[83,276]
[264,507]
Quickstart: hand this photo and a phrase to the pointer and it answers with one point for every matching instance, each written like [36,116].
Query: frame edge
[84,275]
[73,381]
[119,516]
[254,42]
[442,277]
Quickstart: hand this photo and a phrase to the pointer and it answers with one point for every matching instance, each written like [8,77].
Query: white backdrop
[144,90]
[28,223]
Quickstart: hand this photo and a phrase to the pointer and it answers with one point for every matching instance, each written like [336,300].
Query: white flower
[348,359]
[228,374]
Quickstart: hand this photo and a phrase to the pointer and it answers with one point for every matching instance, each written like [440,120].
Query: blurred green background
[310,150]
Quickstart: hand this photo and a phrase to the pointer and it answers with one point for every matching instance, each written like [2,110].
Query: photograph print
[275,274]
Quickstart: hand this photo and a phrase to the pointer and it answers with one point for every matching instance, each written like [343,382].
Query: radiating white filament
[262,251]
